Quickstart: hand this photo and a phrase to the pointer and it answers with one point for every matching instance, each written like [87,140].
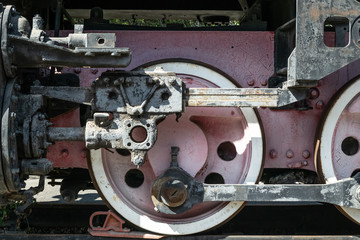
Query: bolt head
[306,154]
[314,93]
[289,154]
[83,153]
[273,153]
[263,82]
[320,105]
[64,153]
[251,82]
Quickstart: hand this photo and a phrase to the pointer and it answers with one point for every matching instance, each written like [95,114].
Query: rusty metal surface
[312,60]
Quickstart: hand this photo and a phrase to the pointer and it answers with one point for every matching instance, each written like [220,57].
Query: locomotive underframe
[122,102]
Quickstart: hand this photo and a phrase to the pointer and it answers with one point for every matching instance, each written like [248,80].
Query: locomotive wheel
[339,140]
[217,145]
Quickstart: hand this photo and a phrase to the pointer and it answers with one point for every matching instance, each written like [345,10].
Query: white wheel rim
[217,218]
[326,141]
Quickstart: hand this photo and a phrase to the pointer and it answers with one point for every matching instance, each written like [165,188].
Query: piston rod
[66,134]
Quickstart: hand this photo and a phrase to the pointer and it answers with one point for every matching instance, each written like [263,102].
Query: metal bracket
[39,50]
[112,223]
[113,227]
[312,60]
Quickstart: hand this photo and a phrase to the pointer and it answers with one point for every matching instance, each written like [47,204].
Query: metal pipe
[58,16]
[66,134]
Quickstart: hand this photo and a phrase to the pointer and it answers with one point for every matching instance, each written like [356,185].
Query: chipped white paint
[285,199]
[276,190]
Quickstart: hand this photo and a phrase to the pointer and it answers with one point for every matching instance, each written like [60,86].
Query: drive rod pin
[173,193]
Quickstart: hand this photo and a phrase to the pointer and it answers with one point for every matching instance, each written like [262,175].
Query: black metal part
[284,44]
[31,54]
[40,166]
[79,95]
[65,134]
[20,49]
[70,188]
[10,163]
[175,191]
[39,141]
[27,112]
[24,124]
[27,195]
[72,184]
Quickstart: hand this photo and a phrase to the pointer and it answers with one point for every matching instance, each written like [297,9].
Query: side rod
[196,97]
[343,193]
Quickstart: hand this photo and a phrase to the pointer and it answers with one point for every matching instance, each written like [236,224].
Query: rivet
[304,163]
[83,153]
[314,93]
[320,105]
[94,70]
[64,153]
[77,70]
[320,83]
[251,82]
[306,154]
[273,153]
[263,82]
[289,154]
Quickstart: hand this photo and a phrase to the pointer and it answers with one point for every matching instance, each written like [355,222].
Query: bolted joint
[138,157]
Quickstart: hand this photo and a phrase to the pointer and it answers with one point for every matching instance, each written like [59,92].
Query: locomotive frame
[66,106]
